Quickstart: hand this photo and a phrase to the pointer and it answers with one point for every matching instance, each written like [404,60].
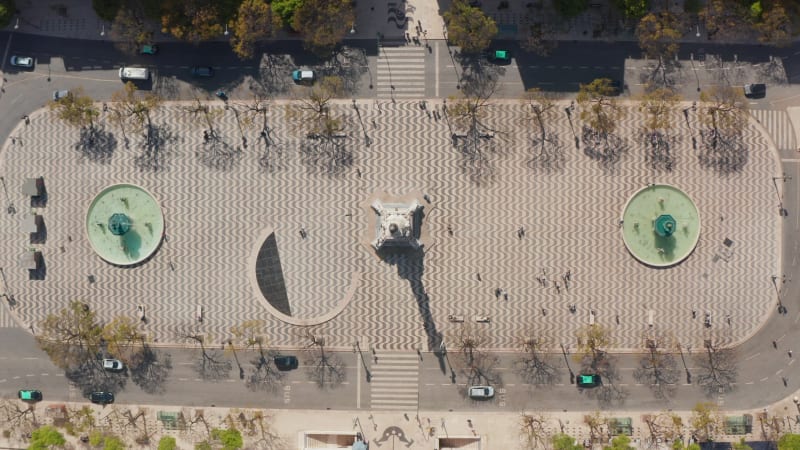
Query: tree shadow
[264,376]
[660,73]
[550,156]
[212,366]
[325,153]
[156,148]
[324,367]
[96,144]
[217,153]
[273,71]
[722,152]
[658,150]
[610,393]
[605,148]
[149,369]
[349,64]
[90,377]
[273,158]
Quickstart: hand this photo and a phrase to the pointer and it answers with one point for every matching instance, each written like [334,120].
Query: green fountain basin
[660,225]
[124,224]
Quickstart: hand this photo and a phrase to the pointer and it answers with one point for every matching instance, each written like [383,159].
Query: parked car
[60,94]
[500,56]
[22,61]
[285,362]
[755,90]
[101,397]
[148,50]
[481,392]
[30,395]
[588,380]
[113,365]
[303,76]
[202,71]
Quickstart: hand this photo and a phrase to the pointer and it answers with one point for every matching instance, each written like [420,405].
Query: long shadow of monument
[411,267]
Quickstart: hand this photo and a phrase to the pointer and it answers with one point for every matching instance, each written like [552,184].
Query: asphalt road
[93,65]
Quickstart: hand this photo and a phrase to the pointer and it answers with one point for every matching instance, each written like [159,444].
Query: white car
[481,392]
[22,61]
[113,365]
[60,94]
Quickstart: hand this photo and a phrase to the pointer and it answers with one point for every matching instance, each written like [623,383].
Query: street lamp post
[16,25]
[226,30]
[103,30]
[353,28]
[698,30]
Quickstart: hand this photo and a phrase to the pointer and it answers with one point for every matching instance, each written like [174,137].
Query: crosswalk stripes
[395,381]
[778,126]
[401,72]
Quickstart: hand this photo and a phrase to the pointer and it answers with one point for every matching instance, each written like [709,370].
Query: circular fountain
[660,225]
[124,224]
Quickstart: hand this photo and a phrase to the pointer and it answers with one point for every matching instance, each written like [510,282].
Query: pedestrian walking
[790,353]
[497,292]
[694,314]
[569,275]
[358,172]
[449,230]
[478,276]
[558,288]
[775,344]
[303,233]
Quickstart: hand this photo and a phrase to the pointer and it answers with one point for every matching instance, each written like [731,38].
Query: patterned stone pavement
[214,217]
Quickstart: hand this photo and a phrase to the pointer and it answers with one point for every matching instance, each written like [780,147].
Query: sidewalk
[414,430]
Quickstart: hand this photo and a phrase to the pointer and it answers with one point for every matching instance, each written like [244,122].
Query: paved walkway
[412,430]
[215,215]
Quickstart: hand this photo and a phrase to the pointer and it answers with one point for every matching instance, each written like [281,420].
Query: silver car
[22,61]
[481,392]
[60,94]
[112,365]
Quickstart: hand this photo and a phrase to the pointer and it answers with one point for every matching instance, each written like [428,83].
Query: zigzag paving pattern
[214,216]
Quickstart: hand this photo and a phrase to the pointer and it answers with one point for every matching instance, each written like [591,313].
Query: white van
[134,73]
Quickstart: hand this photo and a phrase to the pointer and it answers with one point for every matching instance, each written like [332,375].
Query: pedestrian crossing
[401,72]
[395,381]
[778,126]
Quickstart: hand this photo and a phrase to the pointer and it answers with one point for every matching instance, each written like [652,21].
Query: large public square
[217,210]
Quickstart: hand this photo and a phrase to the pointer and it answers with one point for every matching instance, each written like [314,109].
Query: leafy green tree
[658,35]
[741,445]
[774,26]
[204,445]
[598,109]
[7,8]
[113,443]
[468,27]
[46,437]
[563,441]
[76,109]
[254,22]
[192,20]
[324,23]
[723,18]
[231,439]
[632,9]
[789,442]
[570,8]
[284,10]
[70,337]
[129,106]
[621,442]
[167,443]
[128,30]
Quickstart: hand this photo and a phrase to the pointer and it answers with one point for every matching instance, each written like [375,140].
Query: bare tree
[596,421]
[325,146]
[537,365]
[659,371]
[664,426]
[21,418]
[255,425]
[706,421]
[79,110]
[534,431]
[272,158]
[211,366]
[215,152]
[472,358]
[594,359]
[264,375]
[722,111]
[716,369]
[473,136]
[326,369]
[547,150]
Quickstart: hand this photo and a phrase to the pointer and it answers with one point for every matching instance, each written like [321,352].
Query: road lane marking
[764,379]
[751,357]
[183,379]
